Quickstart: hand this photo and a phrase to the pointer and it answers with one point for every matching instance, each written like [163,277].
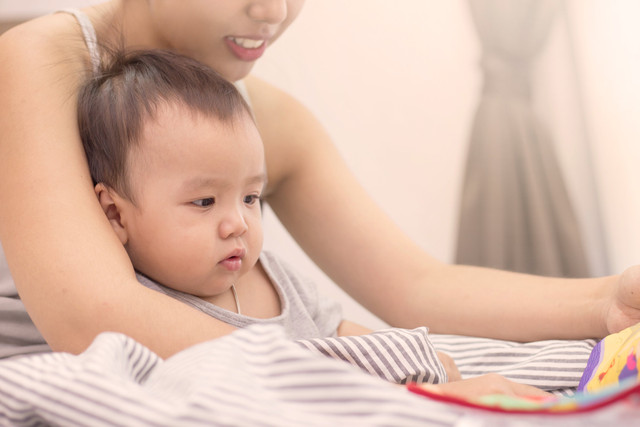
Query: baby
[179,170]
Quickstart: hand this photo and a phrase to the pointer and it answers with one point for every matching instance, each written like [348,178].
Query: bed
[255,376]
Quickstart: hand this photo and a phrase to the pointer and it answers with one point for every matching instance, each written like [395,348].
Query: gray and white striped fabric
[253,377]
[402,356]
[396,355]
[553,365]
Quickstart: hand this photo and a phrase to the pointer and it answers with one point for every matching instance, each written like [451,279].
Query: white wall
[590,97]
[396,84]
[14,9]
[607,40]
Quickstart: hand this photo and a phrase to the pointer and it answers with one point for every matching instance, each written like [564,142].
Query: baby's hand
[449,366]
[484,385]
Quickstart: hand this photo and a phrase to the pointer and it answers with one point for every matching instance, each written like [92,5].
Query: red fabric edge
[414,388]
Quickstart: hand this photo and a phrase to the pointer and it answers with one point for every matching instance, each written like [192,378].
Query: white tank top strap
[91,40]
[242,88]
[89,34]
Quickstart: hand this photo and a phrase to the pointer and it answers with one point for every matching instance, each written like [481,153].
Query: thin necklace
[235,297]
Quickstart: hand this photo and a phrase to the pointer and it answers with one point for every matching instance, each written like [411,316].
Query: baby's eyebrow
[260,178]
[200,182]
[208,182]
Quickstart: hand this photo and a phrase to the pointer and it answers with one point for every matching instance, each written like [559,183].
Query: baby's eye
[251,199]
[203,203]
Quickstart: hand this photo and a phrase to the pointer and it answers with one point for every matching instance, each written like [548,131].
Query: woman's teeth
[247,43]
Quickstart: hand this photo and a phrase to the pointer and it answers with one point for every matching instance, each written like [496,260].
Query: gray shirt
[305,314]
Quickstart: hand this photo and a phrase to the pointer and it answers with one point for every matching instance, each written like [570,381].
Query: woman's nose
[233,225]
[269,11]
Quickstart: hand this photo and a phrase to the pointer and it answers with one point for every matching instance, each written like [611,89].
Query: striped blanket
[256,376]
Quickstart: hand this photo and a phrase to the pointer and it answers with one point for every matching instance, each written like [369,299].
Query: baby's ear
[112,206]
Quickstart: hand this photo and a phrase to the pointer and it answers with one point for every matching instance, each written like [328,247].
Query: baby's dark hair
[114,105]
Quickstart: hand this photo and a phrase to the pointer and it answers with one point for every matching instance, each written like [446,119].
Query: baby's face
[197,182]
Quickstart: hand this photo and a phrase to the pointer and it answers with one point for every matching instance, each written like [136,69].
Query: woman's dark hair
[114,105]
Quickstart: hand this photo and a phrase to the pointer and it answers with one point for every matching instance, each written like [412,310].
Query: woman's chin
[236,72]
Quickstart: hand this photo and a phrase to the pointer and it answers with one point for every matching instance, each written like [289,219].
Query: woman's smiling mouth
[246,49]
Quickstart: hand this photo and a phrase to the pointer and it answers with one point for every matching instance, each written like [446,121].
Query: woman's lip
[244,53]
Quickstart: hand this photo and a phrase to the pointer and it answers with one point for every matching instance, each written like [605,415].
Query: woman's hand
[623,309]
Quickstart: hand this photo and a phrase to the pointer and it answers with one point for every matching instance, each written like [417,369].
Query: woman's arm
[339,226]
[69,268]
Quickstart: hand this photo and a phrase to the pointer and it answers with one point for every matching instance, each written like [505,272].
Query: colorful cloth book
[611,376]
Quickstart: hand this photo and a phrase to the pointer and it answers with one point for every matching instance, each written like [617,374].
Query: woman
[76,280]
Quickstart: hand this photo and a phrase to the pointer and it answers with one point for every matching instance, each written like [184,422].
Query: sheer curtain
[516,213]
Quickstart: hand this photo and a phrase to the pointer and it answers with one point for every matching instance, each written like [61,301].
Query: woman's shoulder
[47,30]
[269,98]
[44,44]
[289,130]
